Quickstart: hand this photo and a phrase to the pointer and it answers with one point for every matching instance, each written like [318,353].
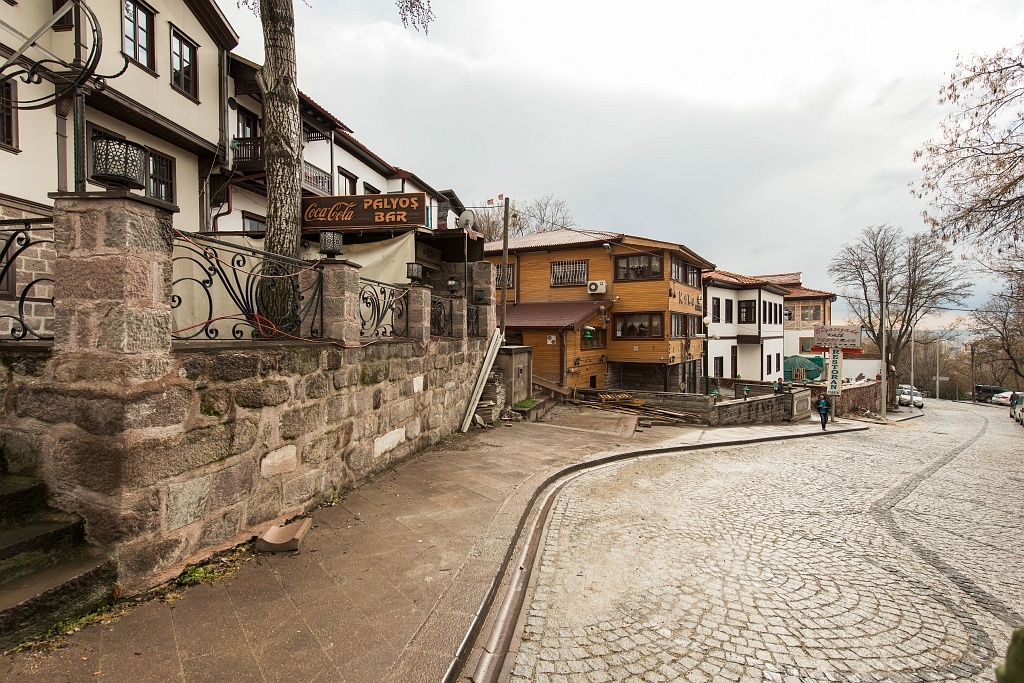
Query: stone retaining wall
[171,452]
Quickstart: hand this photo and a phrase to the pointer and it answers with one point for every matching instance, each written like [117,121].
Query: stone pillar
[419,313]
[341,301]
[483,279]
[459,318]
[112,289]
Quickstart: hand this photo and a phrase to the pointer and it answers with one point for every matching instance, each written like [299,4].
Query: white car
[906,398]
[1002,399]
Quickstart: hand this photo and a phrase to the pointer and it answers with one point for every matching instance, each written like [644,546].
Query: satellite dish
[466,219]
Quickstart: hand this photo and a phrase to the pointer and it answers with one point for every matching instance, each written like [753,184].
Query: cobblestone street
[888,555]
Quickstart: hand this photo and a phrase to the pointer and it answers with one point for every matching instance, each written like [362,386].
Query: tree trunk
[282,128]
[282,156]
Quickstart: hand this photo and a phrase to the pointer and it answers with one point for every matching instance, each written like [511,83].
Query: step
[40,542]
[19,497]
[65,591]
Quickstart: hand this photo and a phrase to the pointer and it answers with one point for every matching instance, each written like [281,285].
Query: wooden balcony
[249,155]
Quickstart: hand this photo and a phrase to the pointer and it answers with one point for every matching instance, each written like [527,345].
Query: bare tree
[525,218]
[974,172]
[921,276]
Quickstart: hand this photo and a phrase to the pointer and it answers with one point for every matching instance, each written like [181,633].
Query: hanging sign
[837,336]
[834,377]
[408,209]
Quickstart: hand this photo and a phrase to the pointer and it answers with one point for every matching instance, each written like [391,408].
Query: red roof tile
[552,314]
[784,279]
[801,292]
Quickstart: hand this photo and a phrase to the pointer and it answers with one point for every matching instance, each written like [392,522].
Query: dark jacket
[822,405]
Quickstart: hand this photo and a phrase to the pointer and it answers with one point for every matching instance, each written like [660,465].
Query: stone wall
[173,451]
[643,376]
[759,410]
[855,400]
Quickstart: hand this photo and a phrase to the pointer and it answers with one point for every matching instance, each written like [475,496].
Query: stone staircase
[48,573]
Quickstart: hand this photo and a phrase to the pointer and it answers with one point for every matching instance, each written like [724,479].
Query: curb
[501,633]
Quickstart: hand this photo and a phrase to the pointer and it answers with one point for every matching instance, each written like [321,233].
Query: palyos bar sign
[365,211]
[837,337]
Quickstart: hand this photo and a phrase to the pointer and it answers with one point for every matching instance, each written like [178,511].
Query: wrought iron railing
[316,178]
[230,291]
[441,316]
[383,309]
[474,323]
[26,283]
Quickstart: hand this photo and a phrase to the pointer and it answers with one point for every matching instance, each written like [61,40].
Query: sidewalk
[389,580]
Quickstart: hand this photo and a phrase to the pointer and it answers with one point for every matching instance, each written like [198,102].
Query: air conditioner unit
[597,287]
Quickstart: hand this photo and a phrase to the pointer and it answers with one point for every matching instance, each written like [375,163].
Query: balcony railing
[316,178]
[249,151]
[440,316]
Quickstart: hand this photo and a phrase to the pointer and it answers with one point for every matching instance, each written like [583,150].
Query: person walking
[823,407]
[1014,400]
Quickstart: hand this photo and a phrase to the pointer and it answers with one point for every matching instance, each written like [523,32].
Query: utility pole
[504,269]
[911,363]
[885,360]
[938,347]
[974,392]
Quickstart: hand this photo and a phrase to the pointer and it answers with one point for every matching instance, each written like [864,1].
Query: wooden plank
[481,380]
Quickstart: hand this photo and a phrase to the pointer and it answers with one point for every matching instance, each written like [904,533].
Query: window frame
[719,366]
[677,267]
[66,22]
[678,326]
[150,15]
[248,215]
[598,341]
[651,316]
[716,309]
[574,267]
[728,311]
[369,189]
[171,182]
[807,308]
[746,306]
[649,267]
[8,96]
[350,180]
[184,40]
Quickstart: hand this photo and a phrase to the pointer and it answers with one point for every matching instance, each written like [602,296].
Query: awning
[555,315]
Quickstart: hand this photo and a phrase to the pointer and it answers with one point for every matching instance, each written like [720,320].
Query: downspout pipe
[231,185]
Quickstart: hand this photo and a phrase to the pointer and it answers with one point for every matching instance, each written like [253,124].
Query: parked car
[1018,412]
[907,398]
[1002,398]
[985,392]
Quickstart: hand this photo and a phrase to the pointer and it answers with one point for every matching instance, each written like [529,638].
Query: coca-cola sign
[408,209]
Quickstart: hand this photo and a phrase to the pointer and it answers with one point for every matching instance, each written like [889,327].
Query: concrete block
[385,443]
[284,538]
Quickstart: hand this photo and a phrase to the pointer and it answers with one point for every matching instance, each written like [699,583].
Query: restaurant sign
[365,211]
[837,337]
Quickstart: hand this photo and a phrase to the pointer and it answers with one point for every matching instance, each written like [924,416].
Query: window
[138,29]
[810,313]
[728,310]
[66,22]
[253,223]
[733,364]
[596,340]
[638,267]
[768,364]
[184,70]
[778,362]
[508,279]
[678,269]
[693,276]
[719,366]
[348,181]
[764,312]
[568,273]
[805,344]
[787,313]
[369,189]
[747,312]
[161,177]
[8,115]
[696,325]
[680,325]
[248,124]
[716,310]
[638,326]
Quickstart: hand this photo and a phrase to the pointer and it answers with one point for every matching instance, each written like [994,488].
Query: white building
[746,330]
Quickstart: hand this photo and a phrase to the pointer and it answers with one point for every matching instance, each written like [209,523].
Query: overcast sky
[760,134]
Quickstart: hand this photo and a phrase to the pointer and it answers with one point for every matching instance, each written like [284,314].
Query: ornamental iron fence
[26,279]
[441,316]
[383,309]
[473,321]
[222,290]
